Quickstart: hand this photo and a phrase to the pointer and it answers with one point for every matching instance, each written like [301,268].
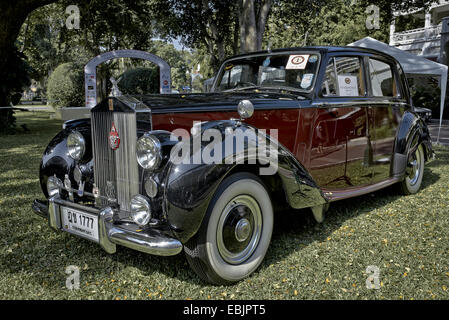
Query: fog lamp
[140,210]
[53,186]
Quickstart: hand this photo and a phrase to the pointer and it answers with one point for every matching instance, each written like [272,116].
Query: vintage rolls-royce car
[331,122]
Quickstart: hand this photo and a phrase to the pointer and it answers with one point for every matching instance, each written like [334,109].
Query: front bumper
[149,240]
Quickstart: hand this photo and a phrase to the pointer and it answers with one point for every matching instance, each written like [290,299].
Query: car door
[386,111]
[341,143]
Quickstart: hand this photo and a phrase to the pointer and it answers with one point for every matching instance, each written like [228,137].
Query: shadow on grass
[293,230]
[296,229]
[47,253]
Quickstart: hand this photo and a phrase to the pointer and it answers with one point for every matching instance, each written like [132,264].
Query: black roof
[321,49]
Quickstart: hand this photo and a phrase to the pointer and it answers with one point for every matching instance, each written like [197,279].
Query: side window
[344,78]
[382,79]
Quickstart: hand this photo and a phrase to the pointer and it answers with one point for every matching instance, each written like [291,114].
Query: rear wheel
[235,233]
[414,172]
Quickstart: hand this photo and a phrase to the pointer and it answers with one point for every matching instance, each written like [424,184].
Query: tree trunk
[252,22]
[248,27]
[262,17]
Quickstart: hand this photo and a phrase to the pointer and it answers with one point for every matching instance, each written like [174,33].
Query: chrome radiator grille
[117,168]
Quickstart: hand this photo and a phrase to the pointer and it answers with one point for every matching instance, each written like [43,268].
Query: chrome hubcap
[414,168]
[242,230]
[239,229]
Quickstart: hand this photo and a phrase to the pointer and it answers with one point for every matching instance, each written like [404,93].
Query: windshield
[290,72]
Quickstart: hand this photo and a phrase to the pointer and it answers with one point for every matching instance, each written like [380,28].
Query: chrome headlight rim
[144,163]
[76,145]
[140,210]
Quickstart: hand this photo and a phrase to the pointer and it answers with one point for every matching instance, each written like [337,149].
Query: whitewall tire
[235,233]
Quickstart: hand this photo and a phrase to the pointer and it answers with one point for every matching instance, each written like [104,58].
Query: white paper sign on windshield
[307,80]
[348,86]
[298,62]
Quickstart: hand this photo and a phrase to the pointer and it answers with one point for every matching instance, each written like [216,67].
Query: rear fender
[412,132]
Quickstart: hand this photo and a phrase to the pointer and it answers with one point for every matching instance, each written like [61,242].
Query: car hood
[218,101]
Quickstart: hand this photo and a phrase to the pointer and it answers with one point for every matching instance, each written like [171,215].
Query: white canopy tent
[412,65]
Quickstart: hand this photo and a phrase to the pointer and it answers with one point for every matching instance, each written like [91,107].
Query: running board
[336,195]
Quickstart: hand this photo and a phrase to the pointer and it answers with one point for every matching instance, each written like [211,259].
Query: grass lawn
[405,237]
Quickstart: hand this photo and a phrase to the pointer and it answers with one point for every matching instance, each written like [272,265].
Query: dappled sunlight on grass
[406,237]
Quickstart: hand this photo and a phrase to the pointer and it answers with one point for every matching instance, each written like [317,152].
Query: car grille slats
[117,168]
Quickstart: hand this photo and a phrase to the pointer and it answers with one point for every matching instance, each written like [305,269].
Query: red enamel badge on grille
[114,139]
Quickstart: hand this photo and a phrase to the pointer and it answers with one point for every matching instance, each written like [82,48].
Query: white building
[423,30]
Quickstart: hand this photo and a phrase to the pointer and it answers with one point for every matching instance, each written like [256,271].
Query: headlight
[140,210]
[148,152]
[53,186]
[76,145]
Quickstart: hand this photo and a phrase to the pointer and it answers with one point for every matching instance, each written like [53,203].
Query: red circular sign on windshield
[298,60]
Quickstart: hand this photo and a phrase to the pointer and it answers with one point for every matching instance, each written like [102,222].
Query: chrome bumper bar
[151,241]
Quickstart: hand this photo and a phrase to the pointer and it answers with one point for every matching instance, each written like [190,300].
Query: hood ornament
[115,91]
[110,191]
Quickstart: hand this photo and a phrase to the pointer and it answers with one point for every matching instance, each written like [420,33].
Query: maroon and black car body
[345,126]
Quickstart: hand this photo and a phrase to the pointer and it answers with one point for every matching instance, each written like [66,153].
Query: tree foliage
[337,22]
[13,67]
[139,81]
[66,86]
[213,29]
[212,25]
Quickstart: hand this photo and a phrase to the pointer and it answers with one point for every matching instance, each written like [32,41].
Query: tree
[139,81]
[223,27]
[12,62]
[253,15]
[66,86]
[337,22]
[178,61]
[104,26]
[200,23]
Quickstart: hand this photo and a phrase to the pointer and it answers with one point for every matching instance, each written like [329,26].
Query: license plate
[80,223]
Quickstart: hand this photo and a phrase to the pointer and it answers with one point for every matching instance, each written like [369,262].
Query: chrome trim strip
[325,104]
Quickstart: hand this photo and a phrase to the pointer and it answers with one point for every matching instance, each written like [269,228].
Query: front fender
[56,160]
[190,186]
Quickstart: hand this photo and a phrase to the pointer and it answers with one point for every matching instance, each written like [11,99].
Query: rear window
[382,77]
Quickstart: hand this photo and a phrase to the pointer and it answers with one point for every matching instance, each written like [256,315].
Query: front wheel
[235,233]
[414,173]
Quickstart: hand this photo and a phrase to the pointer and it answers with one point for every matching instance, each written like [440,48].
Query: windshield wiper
[244,88]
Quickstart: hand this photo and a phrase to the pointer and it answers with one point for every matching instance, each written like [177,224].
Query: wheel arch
[190,187]
[412,131]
